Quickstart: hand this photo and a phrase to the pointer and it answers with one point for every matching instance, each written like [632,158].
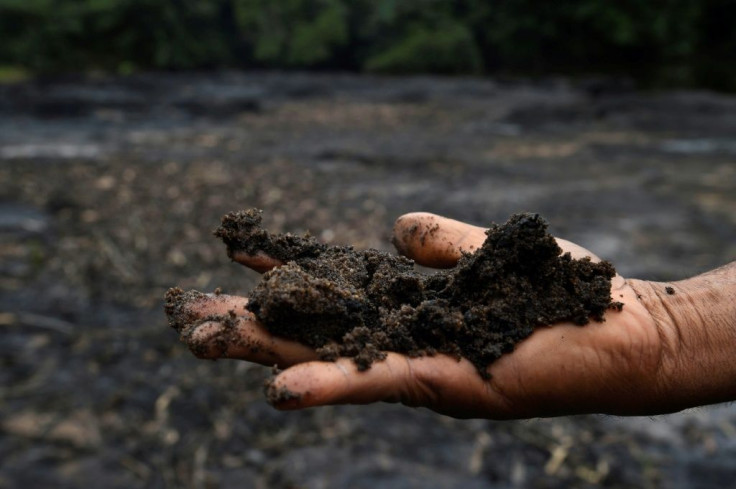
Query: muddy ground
[109,191]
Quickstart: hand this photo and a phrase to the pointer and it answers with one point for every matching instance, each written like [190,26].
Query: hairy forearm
[696,319]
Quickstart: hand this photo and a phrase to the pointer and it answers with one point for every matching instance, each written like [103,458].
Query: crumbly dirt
[363,303]
[279,395]
[241,232]
[175,301]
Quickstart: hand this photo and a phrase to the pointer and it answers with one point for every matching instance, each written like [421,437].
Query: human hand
[624,365]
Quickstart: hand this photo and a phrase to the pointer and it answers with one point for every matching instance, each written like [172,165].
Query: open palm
[607,367]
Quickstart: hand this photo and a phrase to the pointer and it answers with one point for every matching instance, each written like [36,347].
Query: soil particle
[279,395]
[408,233]
[360,304]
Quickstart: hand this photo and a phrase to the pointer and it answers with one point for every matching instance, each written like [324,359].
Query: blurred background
[667,43]
[128,127]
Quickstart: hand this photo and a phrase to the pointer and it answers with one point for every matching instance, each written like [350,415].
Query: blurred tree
[588,35]
[78,35]
[421,36]
[161,34]
[444,48]
[669,41]
[293,32]
[714,64]
[30,38]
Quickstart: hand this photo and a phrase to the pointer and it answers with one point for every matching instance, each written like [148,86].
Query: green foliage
[680,41]
[78,35]
[293,32]
[420,36]
[591,34]
[447,48]
[13,74]
[715,63]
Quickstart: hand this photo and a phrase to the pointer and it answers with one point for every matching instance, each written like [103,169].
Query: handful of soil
[362,303]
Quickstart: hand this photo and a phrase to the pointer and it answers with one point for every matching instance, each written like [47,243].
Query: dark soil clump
[360,304]
[241,232]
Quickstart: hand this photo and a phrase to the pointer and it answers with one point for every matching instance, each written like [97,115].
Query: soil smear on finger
[363,303]
[185,311]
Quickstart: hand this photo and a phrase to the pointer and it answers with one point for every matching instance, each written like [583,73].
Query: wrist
[696,323]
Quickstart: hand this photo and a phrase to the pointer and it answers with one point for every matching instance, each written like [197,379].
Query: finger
[220,326]
[339,382]
[439,242]
[576,251]
[185,308]
[260,262]
[440,382]
[435,241]
[245,339]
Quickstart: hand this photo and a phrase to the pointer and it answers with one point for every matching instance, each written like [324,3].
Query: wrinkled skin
[624,365]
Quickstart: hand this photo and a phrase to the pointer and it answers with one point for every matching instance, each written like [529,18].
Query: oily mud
[362,303]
